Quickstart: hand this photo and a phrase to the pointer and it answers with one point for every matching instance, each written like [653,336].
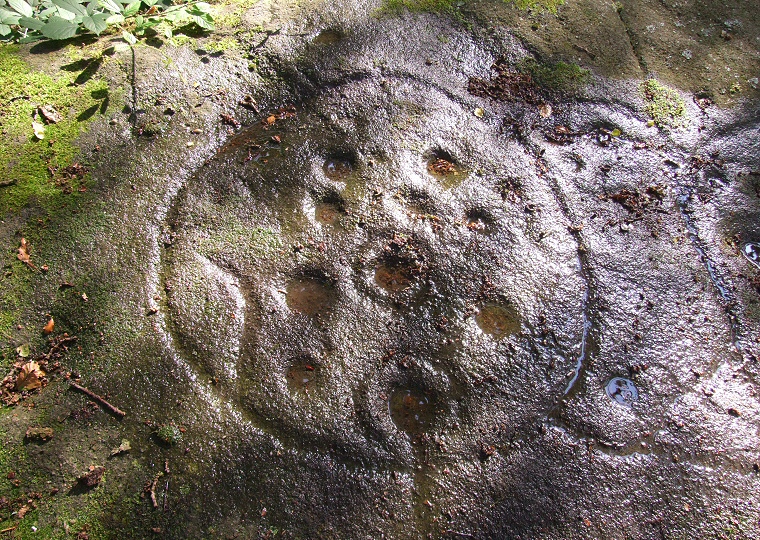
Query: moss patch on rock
[36,170]
[663,104]
[558,76]
[419,6]
[539,5]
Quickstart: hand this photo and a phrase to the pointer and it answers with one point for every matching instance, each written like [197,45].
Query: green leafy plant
[25,21]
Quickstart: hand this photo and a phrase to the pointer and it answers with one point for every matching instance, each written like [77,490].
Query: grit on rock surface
[411,275]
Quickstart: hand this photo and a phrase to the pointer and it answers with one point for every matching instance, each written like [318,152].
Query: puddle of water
[327,213]
[337,169]
[411,410]
[328,37]
[752,253]
[393,278]
[622,391]
[584,337]
[302,376]
[498,321]
[308,296]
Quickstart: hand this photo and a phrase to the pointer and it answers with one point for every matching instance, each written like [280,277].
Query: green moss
[178,40]
[451,7]
[229,20]
[15,292]
[26,161]
[221,45]
[559,76]
[245,4]
[539,5]
[664,105]
[169,434]
[394,7]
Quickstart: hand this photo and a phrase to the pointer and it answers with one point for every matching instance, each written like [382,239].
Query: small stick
[153,490]
[58,344]
[9,529]
[89,393]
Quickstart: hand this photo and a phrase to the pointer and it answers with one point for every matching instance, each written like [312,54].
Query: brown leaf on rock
[24,253]
[92,477]
[545,110]
[249,103]
[48,329]
[30,377]
[229,120]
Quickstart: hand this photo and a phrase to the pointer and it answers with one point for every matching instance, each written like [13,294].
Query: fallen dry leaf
[123,448]
[39,130]
[23,510]
[25,253]
[93,477]
[30,377]
[49,326]
[249,103]
[545,110]
[271,119]
[49,114]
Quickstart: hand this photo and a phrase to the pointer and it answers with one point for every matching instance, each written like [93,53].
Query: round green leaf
[22,7]
[30,23]
[95,23]
[58,28]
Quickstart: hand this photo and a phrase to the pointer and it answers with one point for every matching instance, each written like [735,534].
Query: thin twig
[58,344]
[153,490]
[89,393]
[9,529]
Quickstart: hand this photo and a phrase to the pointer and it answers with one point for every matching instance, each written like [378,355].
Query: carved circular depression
[308,296]
[337,168]
[302,376]
[394,277]
[327,213]
[412,410]
[498,321]
[442,166]
[328,37]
